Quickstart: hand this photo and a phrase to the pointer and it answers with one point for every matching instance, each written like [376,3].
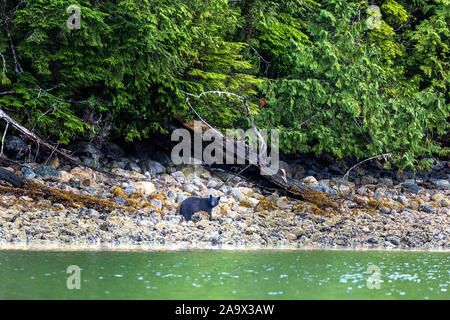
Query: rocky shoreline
[374,209]
[374,213]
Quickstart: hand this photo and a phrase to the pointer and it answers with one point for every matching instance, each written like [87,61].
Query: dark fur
[193,204]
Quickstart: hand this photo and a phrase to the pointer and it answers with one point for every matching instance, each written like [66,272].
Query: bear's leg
[210,214]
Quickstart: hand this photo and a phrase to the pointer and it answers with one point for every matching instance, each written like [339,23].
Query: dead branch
[4,65]
[44,92]
[266,63]
[17,66]
[279,179]
[3,139]
[384,156]
[52,109]
[39,141]
[15,180]
[263,144]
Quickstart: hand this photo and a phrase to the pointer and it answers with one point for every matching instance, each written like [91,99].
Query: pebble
[237,194]
[27,173]
[368,180]
[412,188]
[429,208]
[441,184]
[93,213]
[47,173]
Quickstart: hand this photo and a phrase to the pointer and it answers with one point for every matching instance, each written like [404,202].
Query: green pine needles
[312,69]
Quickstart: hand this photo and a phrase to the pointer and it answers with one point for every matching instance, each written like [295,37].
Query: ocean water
[266,274]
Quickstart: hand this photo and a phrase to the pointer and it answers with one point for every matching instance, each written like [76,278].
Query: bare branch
[267,63]
[44,92]
[52,109]
[17,66]
[384,156]
[263,144]
[3,139]
[4,65]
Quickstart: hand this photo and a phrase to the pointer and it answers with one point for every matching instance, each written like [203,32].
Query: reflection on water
[226,275]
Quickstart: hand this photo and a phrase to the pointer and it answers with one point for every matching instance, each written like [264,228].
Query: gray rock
[112,150]
[173,218]
[91,162]
[368,180]
[179,176]
[180,197]
[162,158]
[237,194]
[190,188]
[254,202]
[47,173]
[343,189]
[130,189]
[171,194]
[93,213]
[90,191]
[131,166]
[27,173]
[116,164]
[362,191]
[156,203]
[15,146]
[441,183]
[412,188]
[86,148]
[387,182]
[402,200]
[119,201]
[385,210]
[151,167]
[213,183]
[429,208]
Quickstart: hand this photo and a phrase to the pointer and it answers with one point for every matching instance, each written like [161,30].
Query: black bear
[193,204]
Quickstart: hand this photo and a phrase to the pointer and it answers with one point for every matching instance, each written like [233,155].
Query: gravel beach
[372,213]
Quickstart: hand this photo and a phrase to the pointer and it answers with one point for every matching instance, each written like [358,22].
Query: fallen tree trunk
[39,141]
[278,181]
[278,178]
[12,178]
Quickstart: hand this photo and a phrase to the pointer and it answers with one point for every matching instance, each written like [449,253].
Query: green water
[225,275]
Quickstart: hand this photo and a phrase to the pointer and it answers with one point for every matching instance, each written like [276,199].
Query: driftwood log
[12,178]
[277,181]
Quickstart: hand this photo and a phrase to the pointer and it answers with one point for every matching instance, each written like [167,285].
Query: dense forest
[341,78]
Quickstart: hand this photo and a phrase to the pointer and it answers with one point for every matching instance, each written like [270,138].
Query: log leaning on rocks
[12,178]
[40,141]
[278,180]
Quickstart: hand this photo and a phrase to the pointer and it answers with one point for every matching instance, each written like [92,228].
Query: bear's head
[213,201]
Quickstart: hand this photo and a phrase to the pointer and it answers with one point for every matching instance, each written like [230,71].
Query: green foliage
[351,91]
[312,69]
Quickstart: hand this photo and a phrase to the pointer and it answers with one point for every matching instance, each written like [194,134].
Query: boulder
[15,147]
[47,173]
[112,150]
